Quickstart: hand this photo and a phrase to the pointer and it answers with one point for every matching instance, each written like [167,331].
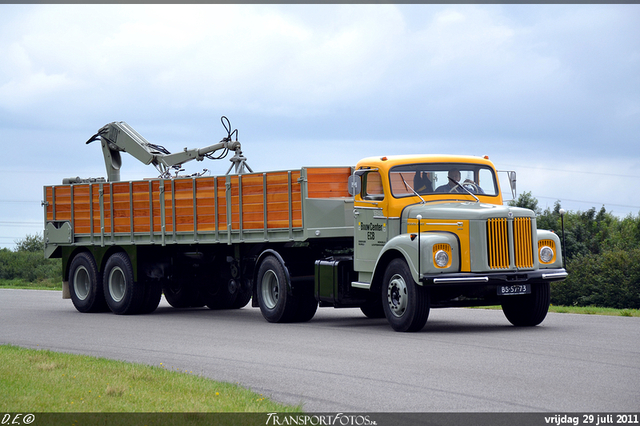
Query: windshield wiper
[407,186]
[465,189]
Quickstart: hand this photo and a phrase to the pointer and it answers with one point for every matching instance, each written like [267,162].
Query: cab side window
[372,187]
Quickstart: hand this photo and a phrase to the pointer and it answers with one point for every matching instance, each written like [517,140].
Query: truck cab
[432,231]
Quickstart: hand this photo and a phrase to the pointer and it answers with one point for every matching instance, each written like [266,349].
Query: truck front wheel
[530,309]
[405,304]
[123,295]
[85,284]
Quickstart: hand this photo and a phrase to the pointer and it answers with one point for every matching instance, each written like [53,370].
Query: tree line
[602,255]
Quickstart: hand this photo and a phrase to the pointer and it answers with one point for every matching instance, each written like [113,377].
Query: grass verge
[45,381]
[594,310]
[585,310]
[47,284]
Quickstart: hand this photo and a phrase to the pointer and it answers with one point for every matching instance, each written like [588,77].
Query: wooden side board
[256,201]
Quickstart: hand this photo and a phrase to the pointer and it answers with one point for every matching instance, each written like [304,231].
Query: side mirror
[354,184]
[512,183]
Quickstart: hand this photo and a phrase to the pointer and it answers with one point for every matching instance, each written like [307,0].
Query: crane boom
[118,136]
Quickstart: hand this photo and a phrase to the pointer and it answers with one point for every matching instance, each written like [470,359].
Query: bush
[602,256]
[610,279]
[31,243]
[27,262]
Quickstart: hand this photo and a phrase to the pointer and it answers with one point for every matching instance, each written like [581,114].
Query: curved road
[464,360]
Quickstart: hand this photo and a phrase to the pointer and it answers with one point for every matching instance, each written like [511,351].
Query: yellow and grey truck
[393,235]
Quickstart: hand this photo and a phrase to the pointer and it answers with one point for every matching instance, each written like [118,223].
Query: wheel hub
[397,296]
[81,283]
[270,289]
[117,284]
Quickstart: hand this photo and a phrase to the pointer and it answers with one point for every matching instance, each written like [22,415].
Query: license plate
[508,290]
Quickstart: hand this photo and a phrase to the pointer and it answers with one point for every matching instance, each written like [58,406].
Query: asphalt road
[465,360]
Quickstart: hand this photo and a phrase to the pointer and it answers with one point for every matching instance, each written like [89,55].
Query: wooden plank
[328,182]
[95,208]
[222,203]
[106,208]
[120,207]
[49,200]
[252,201]
[62,201]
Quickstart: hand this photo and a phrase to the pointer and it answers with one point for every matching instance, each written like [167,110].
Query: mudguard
[549,235]
[406,245]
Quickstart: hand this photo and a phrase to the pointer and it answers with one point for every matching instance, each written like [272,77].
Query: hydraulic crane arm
[119,137]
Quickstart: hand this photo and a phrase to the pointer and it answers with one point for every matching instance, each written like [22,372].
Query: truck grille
[498,241]
[523,244]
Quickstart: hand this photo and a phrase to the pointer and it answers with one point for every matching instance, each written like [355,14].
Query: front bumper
[502,277]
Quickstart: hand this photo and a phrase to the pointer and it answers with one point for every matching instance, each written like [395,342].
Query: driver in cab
[454,184]
[454,178]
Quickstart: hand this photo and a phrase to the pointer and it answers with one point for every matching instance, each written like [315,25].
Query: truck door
[371,224]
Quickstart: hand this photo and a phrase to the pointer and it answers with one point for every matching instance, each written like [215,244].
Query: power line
[29,171]
[588,202]
[572,171]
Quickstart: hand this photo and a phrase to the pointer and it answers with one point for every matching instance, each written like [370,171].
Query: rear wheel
[221,295]
[276,301]
[243,297]
[179,294]
[85,284]
[123,295]
[528,310]
[405,304]
[152,296]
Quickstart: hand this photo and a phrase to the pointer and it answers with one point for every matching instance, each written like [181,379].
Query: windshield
[436,178]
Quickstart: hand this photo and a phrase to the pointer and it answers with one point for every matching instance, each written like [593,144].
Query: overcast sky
[550,91]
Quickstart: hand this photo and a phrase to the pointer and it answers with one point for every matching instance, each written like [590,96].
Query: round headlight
[546,254]
[442,258]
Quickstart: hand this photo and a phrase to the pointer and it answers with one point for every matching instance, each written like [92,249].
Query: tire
[152,296]
[276,303]
[123,295]
[178,294]
[373,309]
[528,310]
[307,307]
[243,297]
[405,304]
[220,294]
[85,284]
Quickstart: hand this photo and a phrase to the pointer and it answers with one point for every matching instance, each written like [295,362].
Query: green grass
[47,284]
[45,381]
[594,310]
[585,310]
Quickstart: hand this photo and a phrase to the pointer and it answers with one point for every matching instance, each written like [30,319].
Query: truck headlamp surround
[441,258]
[546,254]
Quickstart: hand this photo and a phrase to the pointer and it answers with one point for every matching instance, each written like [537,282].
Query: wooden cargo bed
[228,208]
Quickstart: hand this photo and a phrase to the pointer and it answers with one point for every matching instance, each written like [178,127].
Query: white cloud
[306,60]
[210,54]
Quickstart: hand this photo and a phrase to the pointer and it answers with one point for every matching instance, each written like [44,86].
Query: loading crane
[118,136]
